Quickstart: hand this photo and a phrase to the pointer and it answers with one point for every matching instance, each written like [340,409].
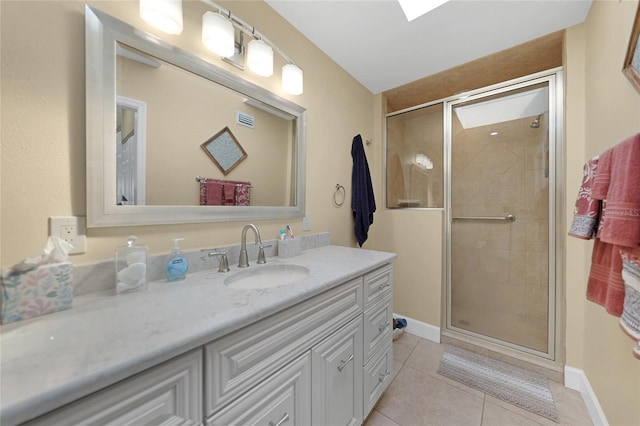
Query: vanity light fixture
[259,54]
[218,34]
[165,15]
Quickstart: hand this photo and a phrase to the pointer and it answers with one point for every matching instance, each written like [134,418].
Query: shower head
[536,123]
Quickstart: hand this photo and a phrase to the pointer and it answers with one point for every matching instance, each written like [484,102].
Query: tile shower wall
[499,275]
[410,133]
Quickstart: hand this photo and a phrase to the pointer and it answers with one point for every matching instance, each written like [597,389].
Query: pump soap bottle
[131,266]
[176,265]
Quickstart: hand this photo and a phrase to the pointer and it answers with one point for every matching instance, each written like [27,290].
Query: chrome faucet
[244,260]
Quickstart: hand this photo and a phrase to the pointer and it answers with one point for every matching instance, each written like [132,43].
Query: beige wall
[43,132]
[602,110]
[416,235]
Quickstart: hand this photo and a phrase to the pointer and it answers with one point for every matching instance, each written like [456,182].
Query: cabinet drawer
[239,361]
[172,388]
[377,376]
[377,284]
[284,399]
[378,326]
[337,377]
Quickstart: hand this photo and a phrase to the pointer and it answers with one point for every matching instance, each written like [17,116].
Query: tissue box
[39,291]
[289,248]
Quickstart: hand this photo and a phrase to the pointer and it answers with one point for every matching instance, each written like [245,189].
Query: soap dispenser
[131,266]
[176,265]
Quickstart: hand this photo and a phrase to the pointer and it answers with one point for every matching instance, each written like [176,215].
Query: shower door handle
[508,218]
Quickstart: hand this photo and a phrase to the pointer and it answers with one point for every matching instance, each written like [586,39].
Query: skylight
[415,8]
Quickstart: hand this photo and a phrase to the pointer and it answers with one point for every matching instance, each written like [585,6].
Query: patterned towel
[587,209]
[630,318]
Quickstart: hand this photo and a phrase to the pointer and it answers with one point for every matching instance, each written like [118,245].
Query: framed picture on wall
[224,150]
[632,61]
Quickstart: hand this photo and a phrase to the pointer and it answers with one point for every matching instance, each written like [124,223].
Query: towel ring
[336,195]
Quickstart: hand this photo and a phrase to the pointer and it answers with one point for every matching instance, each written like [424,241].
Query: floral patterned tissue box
[40,291]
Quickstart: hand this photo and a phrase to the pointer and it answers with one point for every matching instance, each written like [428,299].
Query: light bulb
[260,58]
[165,15]
[292,79]
[218,34]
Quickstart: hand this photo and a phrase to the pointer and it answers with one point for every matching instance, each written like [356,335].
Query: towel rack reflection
[204,180]
[508,218]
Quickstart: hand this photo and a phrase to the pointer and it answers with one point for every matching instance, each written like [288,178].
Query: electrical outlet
[72,229]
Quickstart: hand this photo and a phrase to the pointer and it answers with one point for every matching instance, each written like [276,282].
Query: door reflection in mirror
[130,151]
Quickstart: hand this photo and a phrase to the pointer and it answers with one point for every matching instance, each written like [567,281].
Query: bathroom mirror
[165,186]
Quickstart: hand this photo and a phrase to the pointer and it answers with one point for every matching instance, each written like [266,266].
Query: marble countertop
[49,361]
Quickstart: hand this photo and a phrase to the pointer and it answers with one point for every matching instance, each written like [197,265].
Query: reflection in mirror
[130,151]
[185,111]
[145,164]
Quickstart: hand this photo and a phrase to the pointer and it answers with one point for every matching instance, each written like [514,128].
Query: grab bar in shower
[508,218]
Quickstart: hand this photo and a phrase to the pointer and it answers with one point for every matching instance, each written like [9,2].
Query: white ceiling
[372,40]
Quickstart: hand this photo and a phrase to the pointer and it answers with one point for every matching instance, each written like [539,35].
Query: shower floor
[515,328]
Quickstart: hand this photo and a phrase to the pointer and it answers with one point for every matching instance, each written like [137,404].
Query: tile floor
[418,396]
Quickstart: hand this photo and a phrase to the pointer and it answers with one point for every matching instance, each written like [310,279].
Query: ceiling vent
[245,120]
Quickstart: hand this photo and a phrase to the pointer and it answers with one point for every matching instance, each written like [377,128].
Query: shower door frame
[552,359]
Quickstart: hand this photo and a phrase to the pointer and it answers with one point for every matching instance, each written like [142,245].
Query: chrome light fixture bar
[218,35]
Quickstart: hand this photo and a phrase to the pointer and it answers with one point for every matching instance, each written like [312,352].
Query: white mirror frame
[102,32]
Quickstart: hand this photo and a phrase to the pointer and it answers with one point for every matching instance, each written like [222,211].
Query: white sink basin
[266,276]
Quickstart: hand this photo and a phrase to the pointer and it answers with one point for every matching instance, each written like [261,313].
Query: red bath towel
[229,194]
[606,286]
[618,182]
[212,192]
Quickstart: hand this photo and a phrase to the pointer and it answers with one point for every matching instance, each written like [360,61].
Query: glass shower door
[498,240]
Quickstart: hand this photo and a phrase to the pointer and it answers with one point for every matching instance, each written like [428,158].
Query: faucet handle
[224,262]
[261,258]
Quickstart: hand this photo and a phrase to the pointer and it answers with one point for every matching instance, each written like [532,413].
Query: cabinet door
[337,377]
[172,388]
[284,399]
[377,376]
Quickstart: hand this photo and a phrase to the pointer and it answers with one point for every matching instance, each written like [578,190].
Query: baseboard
[577,380]
[421,329]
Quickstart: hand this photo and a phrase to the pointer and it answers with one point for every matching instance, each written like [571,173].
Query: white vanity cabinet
[323,360]
[171,388]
